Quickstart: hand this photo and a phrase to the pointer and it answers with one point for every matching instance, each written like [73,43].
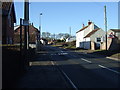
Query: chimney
[89,22]
[29,24]
[83,25]
[32,24]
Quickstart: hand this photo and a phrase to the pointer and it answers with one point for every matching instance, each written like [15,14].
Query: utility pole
[105,22]
[70,31]
[54,37]
[26,28]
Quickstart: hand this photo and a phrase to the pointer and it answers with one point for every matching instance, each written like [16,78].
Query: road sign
[111,35]
[25,23]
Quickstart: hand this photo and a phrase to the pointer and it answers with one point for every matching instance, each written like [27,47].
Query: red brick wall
[7,30]
[33,32]
[4,29]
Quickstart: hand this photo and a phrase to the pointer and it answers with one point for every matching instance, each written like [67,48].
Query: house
[34,34]
[70,39]
[44,41]
[113,39]
[8,20]
[62,38]
[90,37]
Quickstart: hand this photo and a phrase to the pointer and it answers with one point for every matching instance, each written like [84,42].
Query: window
[98,39]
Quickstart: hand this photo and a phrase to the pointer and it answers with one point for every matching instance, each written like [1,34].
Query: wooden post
[105,21]
[21,36]
[26,29]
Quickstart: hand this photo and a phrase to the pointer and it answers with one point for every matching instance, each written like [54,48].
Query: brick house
[8,20]
[34,34]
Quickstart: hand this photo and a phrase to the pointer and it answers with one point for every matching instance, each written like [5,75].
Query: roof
[30,28]
[7,7]
[91,33]
[17,26]
[83,28]
[115,30]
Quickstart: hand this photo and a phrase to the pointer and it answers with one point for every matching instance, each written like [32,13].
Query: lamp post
[40,25]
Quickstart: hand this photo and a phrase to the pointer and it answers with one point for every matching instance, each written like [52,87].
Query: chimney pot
[83,25]
[89,22]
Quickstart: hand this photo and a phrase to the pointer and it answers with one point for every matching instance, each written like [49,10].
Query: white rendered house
[88,34]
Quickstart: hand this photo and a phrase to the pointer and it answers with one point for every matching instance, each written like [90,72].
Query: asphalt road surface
[86,71]
[76,70]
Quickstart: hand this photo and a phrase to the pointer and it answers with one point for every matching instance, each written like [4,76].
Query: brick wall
[112,44]
[33,32]
[92,45]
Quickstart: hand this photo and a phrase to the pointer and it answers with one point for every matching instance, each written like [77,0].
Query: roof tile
[83,28]
[92,32]
[6,5]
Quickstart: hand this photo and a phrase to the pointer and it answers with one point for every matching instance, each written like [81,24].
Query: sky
[58,17]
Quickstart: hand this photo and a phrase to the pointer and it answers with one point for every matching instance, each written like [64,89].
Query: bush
[65,44]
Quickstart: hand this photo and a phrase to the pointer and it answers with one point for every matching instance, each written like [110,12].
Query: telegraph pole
[26,28]
[105,22]
[70,31]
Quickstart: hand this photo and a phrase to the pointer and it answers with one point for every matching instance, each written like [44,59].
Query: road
[78,70]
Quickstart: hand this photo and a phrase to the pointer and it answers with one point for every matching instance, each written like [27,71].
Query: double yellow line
[8,45]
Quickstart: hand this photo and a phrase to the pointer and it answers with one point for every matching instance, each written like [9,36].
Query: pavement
[98,55]
[42,77]
[89,52]
[113,58]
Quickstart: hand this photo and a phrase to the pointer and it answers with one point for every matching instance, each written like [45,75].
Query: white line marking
[86,60]
[30,63]
[109,69]
[52,63]
[69,80]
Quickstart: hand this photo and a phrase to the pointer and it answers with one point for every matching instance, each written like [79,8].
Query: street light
[40,25]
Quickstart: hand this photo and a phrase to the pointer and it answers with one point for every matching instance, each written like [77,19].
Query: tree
[66,35]
[46,35]
[53,36]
